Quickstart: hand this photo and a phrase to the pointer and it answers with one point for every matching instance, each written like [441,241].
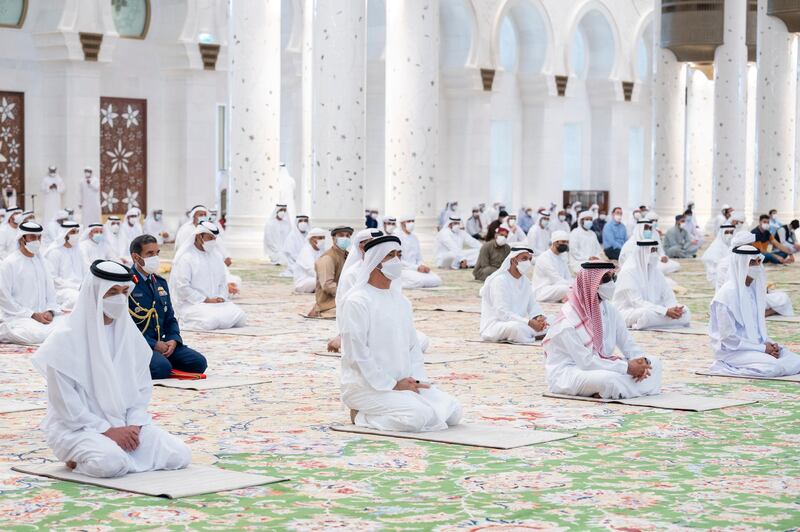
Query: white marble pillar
[412,105]
[669,114]
[334,76]
[699,143]
[776,97]
[730,108]
[750,145]
[255,103]
[543,141]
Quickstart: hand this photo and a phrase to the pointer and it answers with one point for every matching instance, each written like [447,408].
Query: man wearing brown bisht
[329,268]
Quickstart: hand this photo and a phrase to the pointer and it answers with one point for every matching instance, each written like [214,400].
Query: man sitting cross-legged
[383,375]
[99,387]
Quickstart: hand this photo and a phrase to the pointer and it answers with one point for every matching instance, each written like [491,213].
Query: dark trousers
[772,257]
[182,359]
[612,253]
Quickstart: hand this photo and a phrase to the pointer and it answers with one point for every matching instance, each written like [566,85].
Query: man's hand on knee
[126,437]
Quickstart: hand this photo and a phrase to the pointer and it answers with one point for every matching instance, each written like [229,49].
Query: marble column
[334,79]
[543,138]
[776,109]
[669,114]
[730,108]
[255,103]
[412,106]
[699,142]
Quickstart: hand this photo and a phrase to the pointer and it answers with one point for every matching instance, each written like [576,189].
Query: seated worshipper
[492,255]
[66,265]
[509,311]
[525,217]
[383,375]
[645,229]
[53,228]
[415,273]
[371,221]
[539,236]
[8,231]
[642,295]
[678,243]
[787,236]
[276,229]
[154,225]
[559,224]
[131,226]
[185,234]
[305,276]
[115,240]
[777,302]
[614,235]
[294,243]
[151,309]
[329,268]
[388,225]
[200,285]
[515,233]
[99,387]
[28,303]
[450,242]
[474,225]
[583,244]
[737,327]
[580,344]
[724,217]
[501,219]
[719,249]
[93,245]
[779,254]
[691,227]
[551,277]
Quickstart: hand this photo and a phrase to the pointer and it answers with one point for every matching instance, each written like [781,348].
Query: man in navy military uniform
[151,309]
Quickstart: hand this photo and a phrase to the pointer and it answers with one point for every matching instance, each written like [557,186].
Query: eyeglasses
[609,278]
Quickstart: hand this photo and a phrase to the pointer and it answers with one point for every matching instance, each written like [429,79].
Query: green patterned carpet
[628,469]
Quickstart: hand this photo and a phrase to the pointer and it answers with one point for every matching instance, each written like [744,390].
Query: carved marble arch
[594,45]
[522,37]
[12,13]
[131,18]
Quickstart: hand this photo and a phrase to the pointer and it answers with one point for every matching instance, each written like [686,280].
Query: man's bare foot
[353,414]
[596,396]
[72,465]
[770,312]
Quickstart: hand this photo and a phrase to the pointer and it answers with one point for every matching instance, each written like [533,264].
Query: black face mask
[9,193]
[562,248]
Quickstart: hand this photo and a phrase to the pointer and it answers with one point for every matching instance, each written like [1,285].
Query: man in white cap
[580,345]
[294,242]
[551,277]
[28,303]
[509,311]
[515,234]
[276,229]
[724,217]
[8,231]
[185,234]
[474,226]
[383,375]
[415,273]
[539,235]
[90,197]
[583,243]
[737,326]
[66,264]
[94,245]
[131,226]
[450,246]
[112,231]
[643,297]
[52,189]
[199,284]
[99,387]
[305,276]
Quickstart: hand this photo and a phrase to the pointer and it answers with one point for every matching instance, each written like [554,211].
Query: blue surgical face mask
[98,238]
[343,242]
[647,234]
[587,225]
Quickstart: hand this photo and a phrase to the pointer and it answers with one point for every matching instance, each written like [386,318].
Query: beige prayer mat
[212,382]
[433,358]
[489,436]
[249,301]
[785,319]
[788,378]
[437,289]
[8,406]
[537,343]
[466,310]
[245,331]
[189,482]
[695,329]
[306,316]
[667,401]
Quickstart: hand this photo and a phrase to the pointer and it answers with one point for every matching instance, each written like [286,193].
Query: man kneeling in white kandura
[383,375]
[509,311]
[27,296]
[551,277]
[305,276]
[580,344]
[199,284]
[737,327]
[66,264]
[415,273]
[97,367]
[642,294]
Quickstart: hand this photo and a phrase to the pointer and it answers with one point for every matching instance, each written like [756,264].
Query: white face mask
[754,272]
[727,238]
[410,227]
[524,266]
[98,238]
[545,223]
[602,216]
[587,225]
[116,306]
[115,229]
[617,218]
[512,222]
[281,215]
[70,239]
[606,291]
[456,229]
[209,245]
[562,217]
[343,242]
[151,264]
[392,269]
[389,229]
[765,226]
[33,246]
[637,215]
[501,240]
[682,225]
[322,244]
[303,227]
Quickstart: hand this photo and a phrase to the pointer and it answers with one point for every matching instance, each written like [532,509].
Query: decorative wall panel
[12,143]
[123,154]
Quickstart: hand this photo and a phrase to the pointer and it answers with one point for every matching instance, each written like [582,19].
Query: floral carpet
[628,468]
